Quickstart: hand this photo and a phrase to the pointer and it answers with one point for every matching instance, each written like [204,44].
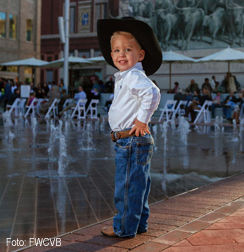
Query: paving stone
[166,222]
[186,209]
[126,243]
[176,212]
[160,227]
[183,243]
[233,218]
[171,217]
[215,248]
[237,214]
[150,247]
[227,210]
[215,237]
[194,226]
[212,217]
[172,237]
[233,225]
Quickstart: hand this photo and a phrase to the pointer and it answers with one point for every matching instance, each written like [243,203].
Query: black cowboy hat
[140,30]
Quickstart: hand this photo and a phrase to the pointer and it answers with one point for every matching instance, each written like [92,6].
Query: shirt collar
[119,75]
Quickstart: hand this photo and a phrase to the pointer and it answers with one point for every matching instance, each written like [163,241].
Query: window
[101,11]
[29,30]
[2,25]
[72,20]
[12,26]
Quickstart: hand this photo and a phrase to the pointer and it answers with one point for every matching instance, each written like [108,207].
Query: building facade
[20,23]
[83,37]
[192,27]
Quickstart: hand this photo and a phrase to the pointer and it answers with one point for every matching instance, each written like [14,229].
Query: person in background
[96,86]
[7,93]
[31,98]
[175,89]
[80,95]
[31,85]
[229,84]
[39,93]
[13,87]
[61,87]
[216,103]
[102,86]
[64,97]
[237,83]
[229,105]
[95,94]
[214,82]
[206,84]
[108,103]
[239,110]
[109,85]
[193,86]
[14,96]
[49,85]
[188,97]
[52,95]
[45,89]
[179,97]
[195,104]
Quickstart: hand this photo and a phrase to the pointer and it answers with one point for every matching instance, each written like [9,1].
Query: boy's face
[126,52]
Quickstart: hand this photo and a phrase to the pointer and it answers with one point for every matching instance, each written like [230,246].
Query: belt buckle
[113,136]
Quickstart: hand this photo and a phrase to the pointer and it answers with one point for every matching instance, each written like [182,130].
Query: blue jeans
[213,107]
[227,111]
[132,184]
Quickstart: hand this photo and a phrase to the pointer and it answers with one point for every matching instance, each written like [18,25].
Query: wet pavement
[46,194]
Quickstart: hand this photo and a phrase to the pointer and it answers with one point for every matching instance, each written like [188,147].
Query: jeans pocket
[144,153]
[121,144]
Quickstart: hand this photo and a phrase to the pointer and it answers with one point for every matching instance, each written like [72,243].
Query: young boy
[131,46]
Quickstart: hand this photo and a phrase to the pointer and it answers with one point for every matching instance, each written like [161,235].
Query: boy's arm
[149,95]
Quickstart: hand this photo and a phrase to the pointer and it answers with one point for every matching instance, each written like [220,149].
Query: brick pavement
[210,218]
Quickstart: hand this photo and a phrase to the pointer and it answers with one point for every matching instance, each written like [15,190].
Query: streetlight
[64,38]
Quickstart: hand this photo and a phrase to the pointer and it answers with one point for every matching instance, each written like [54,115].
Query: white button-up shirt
[135,97]
[80,95]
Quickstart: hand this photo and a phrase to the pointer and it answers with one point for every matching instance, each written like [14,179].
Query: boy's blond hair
[119,33]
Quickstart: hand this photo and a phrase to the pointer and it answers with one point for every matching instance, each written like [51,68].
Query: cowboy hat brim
[141,31]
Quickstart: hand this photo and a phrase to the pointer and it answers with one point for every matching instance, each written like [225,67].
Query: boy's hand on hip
[140,128]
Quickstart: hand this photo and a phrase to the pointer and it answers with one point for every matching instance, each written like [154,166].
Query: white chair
[37,106]
[58,100]
[80,108]
[93,108]
[31,108]
[204,113]
[14,106]
[68,102]
[52,109]
[179,110]
[21,106]
[169,109]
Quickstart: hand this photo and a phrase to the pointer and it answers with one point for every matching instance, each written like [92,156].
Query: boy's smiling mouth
[122,61]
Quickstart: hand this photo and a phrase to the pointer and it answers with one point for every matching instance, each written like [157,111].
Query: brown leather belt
[116,135]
